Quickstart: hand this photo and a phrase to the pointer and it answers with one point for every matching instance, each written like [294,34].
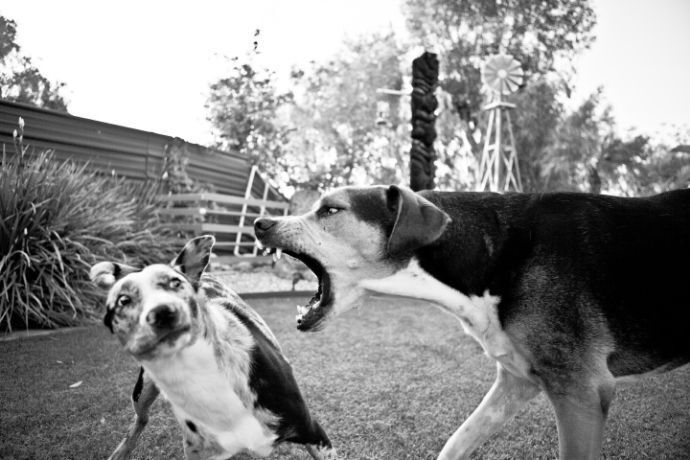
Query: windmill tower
[498,167]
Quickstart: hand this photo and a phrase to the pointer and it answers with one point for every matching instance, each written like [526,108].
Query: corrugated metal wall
[131,153]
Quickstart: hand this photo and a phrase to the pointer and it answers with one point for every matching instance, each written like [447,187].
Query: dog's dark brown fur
[568,291]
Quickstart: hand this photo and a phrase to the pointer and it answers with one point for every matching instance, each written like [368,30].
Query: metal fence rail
[228,218]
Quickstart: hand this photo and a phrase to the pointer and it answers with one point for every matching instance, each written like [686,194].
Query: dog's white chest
[202,393]
[478,315]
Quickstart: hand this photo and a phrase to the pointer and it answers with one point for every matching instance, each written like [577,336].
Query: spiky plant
[57,219]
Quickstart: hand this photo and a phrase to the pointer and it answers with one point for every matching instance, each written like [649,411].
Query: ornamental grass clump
[57,219]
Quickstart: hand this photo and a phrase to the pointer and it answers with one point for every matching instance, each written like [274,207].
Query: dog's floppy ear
[194,257]
[105,274]
[418,222]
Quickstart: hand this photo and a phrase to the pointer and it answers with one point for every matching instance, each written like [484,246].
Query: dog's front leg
[144,394]
[580,418]
[507,395]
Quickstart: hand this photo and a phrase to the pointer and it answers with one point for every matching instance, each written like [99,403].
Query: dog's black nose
[262,225]
[162,317]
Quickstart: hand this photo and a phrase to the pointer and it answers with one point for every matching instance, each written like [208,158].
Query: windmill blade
[514,66]
[511,84]
[502,74]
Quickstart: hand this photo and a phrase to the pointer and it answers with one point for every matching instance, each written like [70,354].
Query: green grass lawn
[391,381]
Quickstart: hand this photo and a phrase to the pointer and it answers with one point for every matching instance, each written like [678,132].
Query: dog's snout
[262,225]
[162,317]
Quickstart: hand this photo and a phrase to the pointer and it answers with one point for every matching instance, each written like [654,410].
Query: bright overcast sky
[148,64]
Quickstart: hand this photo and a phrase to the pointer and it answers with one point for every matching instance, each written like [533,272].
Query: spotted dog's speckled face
[153,311]
[351,234]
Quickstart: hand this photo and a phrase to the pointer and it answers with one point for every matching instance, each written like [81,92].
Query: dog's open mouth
[310,317]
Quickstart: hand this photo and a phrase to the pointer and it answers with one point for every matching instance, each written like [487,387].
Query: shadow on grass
[391,381]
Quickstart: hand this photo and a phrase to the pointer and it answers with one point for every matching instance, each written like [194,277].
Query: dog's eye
[123,300]
[329,211]
[174,283]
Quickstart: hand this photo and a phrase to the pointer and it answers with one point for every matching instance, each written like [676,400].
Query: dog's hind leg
[580,416]
[505,398]
[143,395]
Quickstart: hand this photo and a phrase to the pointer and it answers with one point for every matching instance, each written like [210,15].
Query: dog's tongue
[302,310]
[309,317]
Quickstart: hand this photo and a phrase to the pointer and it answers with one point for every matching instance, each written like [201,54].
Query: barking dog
[567,292]
[215,360]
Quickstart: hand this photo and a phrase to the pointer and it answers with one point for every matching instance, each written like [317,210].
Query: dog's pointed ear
[417,223]
[194,257]
[105,274]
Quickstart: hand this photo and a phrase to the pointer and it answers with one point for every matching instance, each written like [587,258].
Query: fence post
[247,194]
[261,212]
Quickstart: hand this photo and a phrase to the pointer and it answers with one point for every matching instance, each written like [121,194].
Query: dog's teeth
[279,253]
[275,257]
[259,245]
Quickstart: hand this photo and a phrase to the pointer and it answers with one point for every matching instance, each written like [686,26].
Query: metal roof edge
[70,116]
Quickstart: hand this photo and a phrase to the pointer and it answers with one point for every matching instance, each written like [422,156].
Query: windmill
[498,167]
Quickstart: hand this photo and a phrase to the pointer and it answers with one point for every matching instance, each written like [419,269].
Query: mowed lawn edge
[389,381]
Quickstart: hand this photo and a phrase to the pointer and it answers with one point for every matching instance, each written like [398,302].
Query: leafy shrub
[57,220]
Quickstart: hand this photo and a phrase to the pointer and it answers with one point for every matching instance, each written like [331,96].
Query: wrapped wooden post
[424,104]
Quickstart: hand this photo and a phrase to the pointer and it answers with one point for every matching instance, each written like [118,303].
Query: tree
[336,113]
[244,113]
[536,118]
[538,34]
[324,133]
[20,80]
[585,153]
[643,166]
[465,32]
[570,162]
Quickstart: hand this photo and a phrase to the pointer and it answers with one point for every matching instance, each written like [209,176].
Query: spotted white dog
[212,356]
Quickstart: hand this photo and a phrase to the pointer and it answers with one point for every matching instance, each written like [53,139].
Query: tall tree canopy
[543,36]
[465,32]
[327,130]
[335,115]
[20,79]
[243,109]
[323,133]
